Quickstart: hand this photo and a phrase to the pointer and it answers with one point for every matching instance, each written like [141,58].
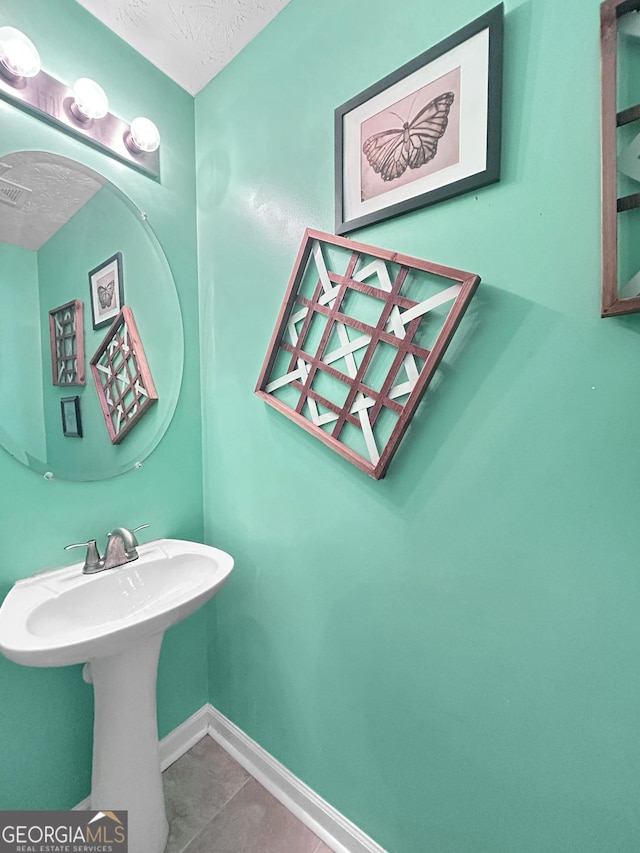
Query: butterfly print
[414,144]
[105,294]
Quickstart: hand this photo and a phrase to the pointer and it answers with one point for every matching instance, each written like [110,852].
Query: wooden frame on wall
[122,376]
[619,160]
[66,336]
[359,337]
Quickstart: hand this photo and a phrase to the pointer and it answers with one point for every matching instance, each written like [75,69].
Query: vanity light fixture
[82,111]
[89,100]
[19,57]
[143,135]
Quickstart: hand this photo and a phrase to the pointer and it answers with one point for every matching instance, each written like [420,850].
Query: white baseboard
[181,739]
[327,823]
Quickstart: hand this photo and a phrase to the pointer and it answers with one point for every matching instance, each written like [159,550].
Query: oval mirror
[74,252]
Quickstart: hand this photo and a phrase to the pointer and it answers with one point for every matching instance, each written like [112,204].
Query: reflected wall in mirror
[59,220]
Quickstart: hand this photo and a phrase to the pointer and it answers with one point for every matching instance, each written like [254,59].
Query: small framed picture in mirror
[71,418]
[107,291]
[66,334]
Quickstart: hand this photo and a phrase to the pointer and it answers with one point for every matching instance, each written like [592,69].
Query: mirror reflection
[82,279]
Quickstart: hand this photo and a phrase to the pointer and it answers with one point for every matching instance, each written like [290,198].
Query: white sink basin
[64,617]
[115,621]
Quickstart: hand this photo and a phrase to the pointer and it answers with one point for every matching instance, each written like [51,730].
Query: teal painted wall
[46,731]
[448,656]
[20,351]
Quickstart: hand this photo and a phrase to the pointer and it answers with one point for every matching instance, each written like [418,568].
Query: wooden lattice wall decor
[620,55]
[66,334]
[122,376]
[359,336]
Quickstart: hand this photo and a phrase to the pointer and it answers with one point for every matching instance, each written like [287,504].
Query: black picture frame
[478,158]
[71,417]
[106,288]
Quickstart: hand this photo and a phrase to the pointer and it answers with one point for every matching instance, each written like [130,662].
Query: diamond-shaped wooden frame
[122,376]
[399,321]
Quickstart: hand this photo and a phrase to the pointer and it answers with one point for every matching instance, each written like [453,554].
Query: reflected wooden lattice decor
[620,54]
[122,376]
[66,334]
[359,336]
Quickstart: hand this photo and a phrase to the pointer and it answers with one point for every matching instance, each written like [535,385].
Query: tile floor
[215,806]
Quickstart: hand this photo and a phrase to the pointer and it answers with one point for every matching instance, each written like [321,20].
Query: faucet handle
[80,545]
[133,532]
[92,560]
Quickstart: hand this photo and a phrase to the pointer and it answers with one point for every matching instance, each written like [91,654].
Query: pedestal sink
[115,620]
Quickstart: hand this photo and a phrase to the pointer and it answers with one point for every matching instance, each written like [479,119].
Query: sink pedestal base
[126,761]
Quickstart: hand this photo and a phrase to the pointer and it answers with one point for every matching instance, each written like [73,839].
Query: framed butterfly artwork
[107,291]
[429,131]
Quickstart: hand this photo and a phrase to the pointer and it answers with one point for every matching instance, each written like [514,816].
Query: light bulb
[18,54]
[143,135]
[89,100]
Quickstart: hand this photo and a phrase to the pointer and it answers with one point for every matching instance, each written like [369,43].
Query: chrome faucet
[121,548]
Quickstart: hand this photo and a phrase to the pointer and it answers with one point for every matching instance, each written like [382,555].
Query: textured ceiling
[57,192]
[190,40]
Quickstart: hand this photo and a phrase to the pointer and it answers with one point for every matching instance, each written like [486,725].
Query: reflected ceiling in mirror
[59,222]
